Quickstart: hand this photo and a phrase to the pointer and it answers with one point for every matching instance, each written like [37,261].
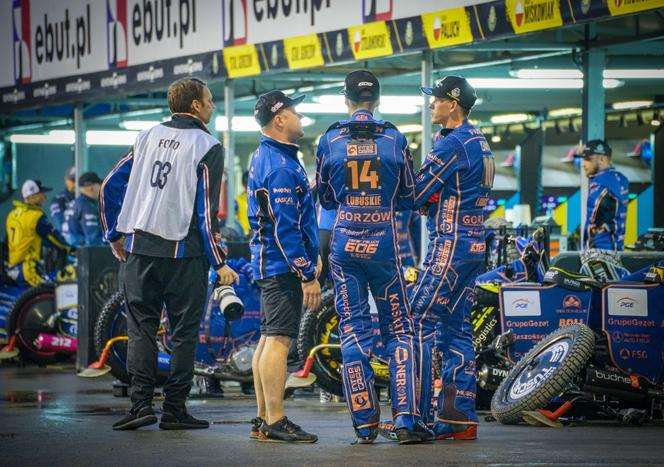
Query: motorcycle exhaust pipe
[55,343]
[612,383]
[490,377]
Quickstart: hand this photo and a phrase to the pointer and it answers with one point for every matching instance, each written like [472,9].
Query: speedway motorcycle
[40,323]
[228,335]
[605,357]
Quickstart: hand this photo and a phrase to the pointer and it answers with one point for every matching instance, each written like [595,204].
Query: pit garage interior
[597,74]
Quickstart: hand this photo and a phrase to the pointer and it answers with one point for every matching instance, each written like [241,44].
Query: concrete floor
[48,416]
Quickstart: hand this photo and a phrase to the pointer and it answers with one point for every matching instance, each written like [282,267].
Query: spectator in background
[84,223]
[241,206]
[62,205]
[27,230]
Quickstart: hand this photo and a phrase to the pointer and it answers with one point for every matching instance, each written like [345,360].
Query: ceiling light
[655,122]
[313,108]
[60,137]
[542,73]
[565,112]
[110,138]
[410,128]
[570,73]
[510,118]
[413,146]
[138,124]
[631,105]
[635,74]
[496,139]
[549,83]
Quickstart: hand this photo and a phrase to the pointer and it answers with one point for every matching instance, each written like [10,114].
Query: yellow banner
[303,52]
[241,60]
[447,28]
[533,15]
[624,7]
[370,40]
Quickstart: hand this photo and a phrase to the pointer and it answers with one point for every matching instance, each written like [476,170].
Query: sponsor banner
[303,52]
[634,325]
[241,60]
[370,40]
[533,15]
[533,312]
[624,7]
[55,50]
[447,28]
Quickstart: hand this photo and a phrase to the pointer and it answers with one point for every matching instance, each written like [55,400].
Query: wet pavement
[48,416]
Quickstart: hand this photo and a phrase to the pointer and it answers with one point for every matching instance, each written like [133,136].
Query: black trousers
[148,284]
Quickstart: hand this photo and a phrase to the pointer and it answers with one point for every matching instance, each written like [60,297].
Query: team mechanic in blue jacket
[365,172]
[452,186]
[62,206]
[84,222]
[284,257]
[608,195]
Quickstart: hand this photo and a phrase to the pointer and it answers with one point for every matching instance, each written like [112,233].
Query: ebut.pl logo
[116,33]
[376,10]
[22,48]
[234,22]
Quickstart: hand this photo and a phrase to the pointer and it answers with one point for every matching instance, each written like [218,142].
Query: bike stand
[541,417]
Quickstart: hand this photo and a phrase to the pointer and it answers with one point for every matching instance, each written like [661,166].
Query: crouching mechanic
[365,174]
[284,257]
[27,230]
[453,186]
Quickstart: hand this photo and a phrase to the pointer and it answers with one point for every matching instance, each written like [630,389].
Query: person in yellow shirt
[241,201]
[28,229]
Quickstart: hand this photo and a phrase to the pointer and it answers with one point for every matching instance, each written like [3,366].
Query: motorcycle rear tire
[44,296]
[580,342]
[313,326]
[112,323]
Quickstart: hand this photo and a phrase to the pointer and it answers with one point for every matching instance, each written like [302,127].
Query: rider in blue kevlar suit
[365,173]
[453,186]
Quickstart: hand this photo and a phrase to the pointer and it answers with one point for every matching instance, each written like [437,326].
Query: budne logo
[376,10]
[116,33]
[22,48]
[234,22]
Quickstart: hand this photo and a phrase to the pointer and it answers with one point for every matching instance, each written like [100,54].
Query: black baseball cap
[594,146]
[271,103]
[89,178]
[361,86]
[456,88]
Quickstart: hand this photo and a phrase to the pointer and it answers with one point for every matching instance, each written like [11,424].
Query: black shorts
[281,305]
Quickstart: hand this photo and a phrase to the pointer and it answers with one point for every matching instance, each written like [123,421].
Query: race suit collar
[287,148]
[446,131]
[362,114]
[603,171]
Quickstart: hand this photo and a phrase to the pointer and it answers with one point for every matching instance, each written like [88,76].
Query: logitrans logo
[234,22]
[22,47]
[116,33]
[376,10]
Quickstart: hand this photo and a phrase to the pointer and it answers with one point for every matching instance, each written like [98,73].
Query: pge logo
[376,10]
[627,303]
[116,33]
[571,301]
[21,39]
[520,304]
[234,22]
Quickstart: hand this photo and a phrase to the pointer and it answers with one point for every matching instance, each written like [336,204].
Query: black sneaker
[419,434]
[367,439]
[136,419]
[181,421]
[285,431]
[255,428]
